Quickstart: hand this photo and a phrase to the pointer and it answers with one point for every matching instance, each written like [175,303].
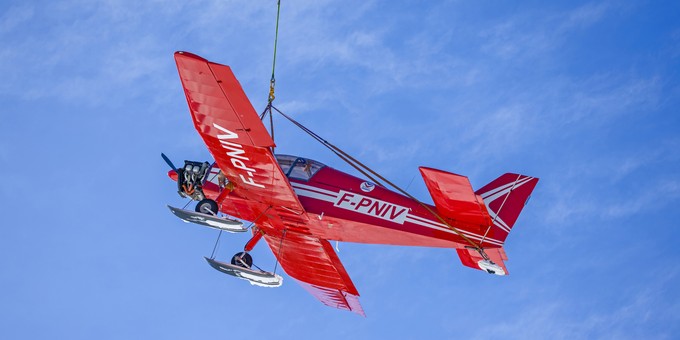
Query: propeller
[167,160]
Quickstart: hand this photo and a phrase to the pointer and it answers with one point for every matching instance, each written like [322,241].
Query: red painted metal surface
[257,235]
[470,257]
[314,263]
[454,198]
[298,215]
[231,129]
[505,198]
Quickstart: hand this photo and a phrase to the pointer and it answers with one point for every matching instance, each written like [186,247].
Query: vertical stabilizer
[505,198]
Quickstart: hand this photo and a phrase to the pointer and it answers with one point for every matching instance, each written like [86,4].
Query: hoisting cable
[272,82]
[271,125]
[268,110]
[356,164]
[343,155]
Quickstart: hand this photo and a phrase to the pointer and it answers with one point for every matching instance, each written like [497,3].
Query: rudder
[505,197]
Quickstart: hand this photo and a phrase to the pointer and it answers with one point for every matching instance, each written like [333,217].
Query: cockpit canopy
[298,167]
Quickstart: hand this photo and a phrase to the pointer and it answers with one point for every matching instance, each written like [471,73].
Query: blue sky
[582,94]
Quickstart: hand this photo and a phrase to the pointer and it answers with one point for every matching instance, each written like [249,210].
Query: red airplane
[297,204]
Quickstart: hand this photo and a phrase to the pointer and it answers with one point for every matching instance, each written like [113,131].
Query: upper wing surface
[233,132]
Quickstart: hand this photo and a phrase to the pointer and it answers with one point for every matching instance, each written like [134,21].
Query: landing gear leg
[243,259]
[257,235]
[242,266]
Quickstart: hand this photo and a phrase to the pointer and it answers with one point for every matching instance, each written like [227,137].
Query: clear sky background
[582,94]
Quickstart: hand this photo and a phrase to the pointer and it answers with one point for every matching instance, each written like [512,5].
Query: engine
[190,179]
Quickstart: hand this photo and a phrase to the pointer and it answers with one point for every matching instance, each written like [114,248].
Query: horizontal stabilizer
[454,198]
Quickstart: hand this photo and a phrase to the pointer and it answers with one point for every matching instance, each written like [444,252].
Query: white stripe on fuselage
[332,197]
[315,189]
[440,226]
[315,195]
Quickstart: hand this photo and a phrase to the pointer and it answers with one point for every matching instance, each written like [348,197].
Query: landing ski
[220,223]
[254,277]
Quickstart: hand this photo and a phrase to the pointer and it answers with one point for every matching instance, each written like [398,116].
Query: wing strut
[278,256]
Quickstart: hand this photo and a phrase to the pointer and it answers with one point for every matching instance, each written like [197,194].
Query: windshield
[298,167]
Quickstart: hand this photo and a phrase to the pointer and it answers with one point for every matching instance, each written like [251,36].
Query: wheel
[241,257]
[207,206]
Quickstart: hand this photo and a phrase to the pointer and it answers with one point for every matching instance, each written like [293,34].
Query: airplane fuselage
[346,208]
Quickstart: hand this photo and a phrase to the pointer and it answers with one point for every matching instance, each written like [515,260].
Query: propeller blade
[167,160]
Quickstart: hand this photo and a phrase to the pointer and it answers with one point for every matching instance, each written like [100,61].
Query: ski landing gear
[255,277]
[209,219]
[241,266]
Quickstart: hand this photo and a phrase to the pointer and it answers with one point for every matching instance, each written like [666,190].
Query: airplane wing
[233,132]
[315,265]
[240,144]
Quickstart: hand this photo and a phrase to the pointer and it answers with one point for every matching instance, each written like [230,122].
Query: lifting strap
[364,169]
[344,156]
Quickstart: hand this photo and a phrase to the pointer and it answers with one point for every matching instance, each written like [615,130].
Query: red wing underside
[233,132]
[240,144]
[316,266]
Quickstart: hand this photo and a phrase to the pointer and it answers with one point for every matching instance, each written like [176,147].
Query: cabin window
[298,167]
